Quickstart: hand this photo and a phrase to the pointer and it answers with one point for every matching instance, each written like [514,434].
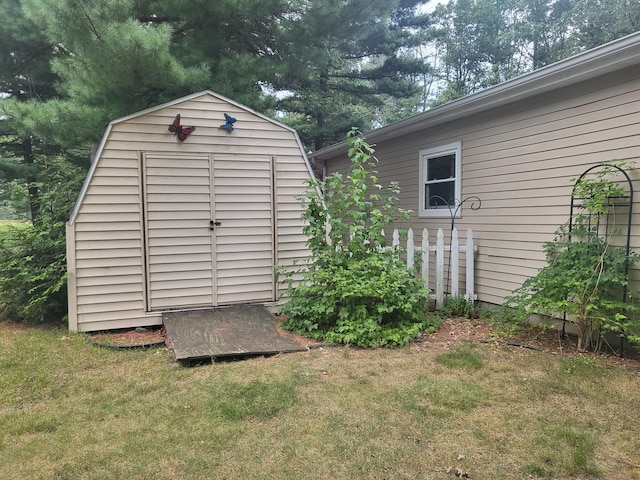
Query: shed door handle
[213,224]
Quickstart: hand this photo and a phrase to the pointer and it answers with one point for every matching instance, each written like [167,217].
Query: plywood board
[225,331]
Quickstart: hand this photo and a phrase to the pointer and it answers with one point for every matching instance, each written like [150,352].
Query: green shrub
[460,307]
[32,274]
[585,274]
[371,302]
[33,256]
[355,289]
[506,322]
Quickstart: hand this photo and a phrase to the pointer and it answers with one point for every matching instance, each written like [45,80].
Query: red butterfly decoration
[182,132]
[173,128]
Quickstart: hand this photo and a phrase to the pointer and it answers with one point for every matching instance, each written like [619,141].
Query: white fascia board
[87,180]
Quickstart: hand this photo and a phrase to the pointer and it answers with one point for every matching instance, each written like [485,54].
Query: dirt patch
[546,339]
[304,341]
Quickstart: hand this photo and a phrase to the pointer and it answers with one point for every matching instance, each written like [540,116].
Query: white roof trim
[105,136]
[606,58]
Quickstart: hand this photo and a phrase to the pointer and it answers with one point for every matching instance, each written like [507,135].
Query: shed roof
[105,136]
[607,58]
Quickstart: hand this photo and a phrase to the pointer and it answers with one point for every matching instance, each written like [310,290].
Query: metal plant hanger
[454,205]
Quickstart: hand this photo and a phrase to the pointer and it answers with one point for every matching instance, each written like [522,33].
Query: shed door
[192,263]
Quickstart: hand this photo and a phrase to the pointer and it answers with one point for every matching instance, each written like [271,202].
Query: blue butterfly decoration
[228,126]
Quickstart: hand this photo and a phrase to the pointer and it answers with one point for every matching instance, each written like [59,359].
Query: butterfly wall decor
[179,130]
[228,126]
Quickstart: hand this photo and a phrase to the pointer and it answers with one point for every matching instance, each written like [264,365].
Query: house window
[439,179]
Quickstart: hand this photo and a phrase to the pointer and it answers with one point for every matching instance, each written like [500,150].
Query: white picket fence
[438,251]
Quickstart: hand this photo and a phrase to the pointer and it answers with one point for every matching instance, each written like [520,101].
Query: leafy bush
[371,302]
[32,256]
[586,273]
[460,307]
[355,289]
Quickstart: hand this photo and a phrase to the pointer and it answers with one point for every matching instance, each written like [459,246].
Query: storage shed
[516,146]
[171,218]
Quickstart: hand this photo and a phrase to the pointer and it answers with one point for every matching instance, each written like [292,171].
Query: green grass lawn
[72,410]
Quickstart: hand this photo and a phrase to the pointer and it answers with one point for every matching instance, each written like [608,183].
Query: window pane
[440,168]
[445,190]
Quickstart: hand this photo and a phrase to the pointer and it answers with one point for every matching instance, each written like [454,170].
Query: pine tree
[339,62]
[233,40]
[25,75]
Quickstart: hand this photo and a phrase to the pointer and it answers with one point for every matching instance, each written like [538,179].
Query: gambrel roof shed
[165,224]
[516,146]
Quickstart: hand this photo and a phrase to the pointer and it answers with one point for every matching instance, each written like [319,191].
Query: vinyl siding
[106,241]
[520,160]
[247,228]
[291,179]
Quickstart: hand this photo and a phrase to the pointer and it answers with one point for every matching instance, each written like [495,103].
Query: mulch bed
[548,340]
[452,330]
[136,338]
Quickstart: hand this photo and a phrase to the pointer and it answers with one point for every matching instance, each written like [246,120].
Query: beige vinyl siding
[107,267]
[520,161]
[291,178]
[177,206]
[244,253]
[108,248]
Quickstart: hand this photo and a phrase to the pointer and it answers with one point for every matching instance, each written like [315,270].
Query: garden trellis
[420,262]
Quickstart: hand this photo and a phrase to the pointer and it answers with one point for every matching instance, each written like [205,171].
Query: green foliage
[585,277]
[460,307]
[355,290]
[14,200]
[478,43]
[506,322]
[355,210]
[33,274]
[375,301]
[109,62]
[342,62]
[32,256]
[431,323]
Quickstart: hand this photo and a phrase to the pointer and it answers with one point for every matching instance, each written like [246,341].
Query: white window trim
[455,148]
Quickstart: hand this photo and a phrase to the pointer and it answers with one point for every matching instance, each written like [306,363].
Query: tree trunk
[319,141]
[585,334]
[34,193]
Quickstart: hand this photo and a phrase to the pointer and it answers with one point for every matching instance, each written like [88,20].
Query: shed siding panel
[291,184]
[166,247]
[108,266]
[247,237]
[520,161]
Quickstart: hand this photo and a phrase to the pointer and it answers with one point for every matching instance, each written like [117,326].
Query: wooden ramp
[225,332]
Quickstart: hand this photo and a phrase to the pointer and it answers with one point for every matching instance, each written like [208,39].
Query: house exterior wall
[520,160]
[106,237]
